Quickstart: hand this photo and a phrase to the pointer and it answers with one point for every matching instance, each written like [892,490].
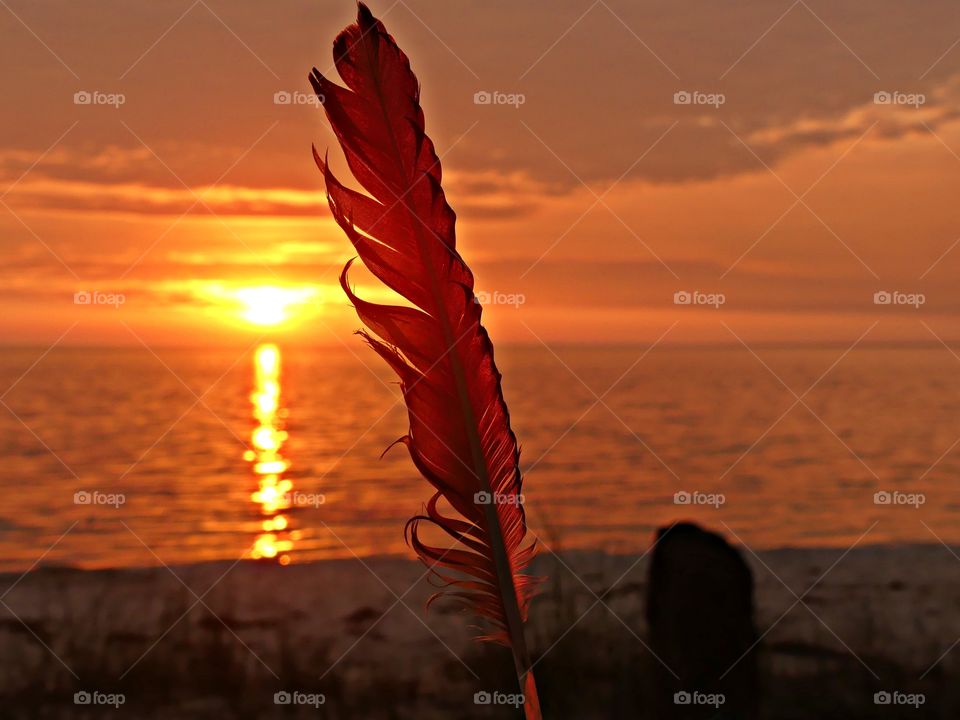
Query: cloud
[114,181]
[598,93]
[53,194]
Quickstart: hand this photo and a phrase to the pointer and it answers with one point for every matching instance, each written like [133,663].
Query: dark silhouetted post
[700,614]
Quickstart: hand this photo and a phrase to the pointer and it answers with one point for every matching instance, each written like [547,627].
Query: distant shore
[225,637]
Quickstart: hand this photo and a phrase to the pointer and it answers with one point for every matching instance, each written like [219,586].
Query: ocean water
[123,457]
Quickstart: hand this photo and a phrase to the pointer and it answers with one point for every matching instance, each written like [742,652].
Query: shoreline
[347,558]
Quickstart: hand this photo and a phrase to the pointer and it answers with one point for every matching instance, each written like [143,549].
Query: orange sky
[593,202]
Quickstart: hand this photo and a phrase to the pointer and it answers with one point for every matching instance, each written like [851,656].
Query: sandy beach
[223,638]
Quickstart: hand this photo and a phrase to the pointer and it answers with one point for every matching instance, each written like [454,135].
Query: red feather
[460,437]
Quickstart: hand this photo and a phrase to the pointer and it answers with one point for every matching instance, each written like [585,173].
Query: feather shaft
[460,437]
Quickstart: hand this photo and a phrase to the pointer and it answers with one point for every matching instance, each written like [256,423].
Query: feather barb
[460,437]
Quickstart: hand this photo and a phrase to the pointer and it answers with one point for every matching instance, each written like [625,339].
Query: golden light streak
[273,491]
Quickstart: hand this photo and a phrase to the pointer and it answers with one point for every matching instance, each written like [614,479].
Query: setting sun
[269,305]
[259,305]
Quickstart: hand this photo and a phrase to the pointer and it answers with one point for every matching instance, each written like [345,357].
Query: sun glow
[259,305]
[269,305]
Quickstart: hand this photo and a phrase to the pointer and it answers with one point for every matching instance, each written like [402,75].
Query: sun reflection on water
[273,490]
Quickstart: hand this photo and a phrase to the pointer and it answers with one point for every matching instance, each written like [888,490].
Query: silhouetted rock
[700,615]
